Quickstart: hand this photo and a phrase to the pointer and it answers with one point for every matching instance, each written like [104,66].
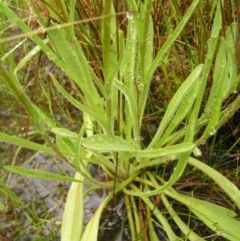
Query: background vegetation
[134,90]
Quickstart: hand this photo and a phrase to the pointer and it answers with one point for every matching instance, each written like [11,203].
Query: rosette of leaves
[113,108]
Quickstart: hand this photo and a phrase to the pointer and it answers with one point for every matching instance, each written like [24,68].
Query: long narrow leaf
[219,222]
[161,53]
[229,188]
[40,174]
[24,143]
[74,212]
[187,86]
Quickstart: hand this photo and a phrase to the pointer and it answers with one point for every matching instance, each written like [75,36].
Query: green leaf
[24,143]
[73,213]
[187,86]
[63,132]
[184,150]
[70,53]
[39,174]
[223,225]
[131,102]
[11,82]
[175,149]
[108,31]
[155,63]
[66,146]
[226,55]
[216,218]
[229,188]
[184,227]
[183,110]
[211,48]
[107,143]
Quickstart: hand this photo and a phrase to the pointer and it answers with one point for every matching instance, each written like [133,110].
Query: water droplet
[213,131]
[31,82]
[83,145]
[226,113]
[220,233]
[129,15]
[140,86]
[132,76]
[197,152]
[138,138]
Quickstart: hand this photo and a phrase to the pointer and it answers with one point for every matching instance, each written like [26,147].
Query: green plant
[113,109]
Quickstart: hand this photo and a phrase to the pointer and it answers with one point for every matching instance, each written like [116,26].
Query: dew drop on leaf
[213,131]
[129,15]
[197,152]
